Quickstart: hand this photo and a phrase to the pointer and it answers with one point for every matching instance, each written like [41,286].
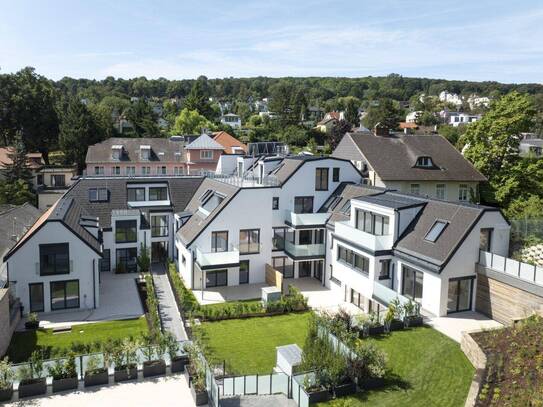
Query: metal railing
[246,180]
[242,385]
[514,268]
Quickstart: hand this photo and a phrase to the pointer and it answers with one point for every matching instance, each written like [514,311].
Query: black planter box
[124,374]
[376,330]
[97,379]
[188,377]
[318,396]
[200,398]
[32,387]
[396,325]
[372,383]
[414,321]
[69,383]
[32,325]
[345,389]
[154,368]
[6,394]
[179,363]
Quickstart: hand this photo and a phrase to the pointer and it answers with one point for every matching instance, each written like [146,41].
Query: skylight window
[213,200]
[205,195]
[346,208]
[425,162]
[435,231]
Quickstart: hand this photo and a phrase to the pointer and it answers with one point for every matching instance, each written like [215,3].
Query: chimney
[381,130]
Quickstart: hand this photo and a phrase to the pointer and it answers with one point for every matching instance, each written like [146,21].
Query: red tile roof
[228,142]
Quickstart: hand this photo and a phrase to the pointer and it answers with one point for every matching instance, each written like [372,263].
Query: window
[384,273]
[303,204]
[159,226]
[305,237]
[321,179]
[335,174]
[435,231]
[219,241]
[440,191]
[425,162]
[278,239]
[318,236]
[372,223]
[58,180]
[462,192]
[35,292]
[130,171]
[249,241]
[244,272]
[178,171]
[127,260]
[284,266]
[136,194]
[206,155]
[331,203]
[161,170]
[415,189]
[64,294]
[145,170]
[354,260]
[98,170]
[54,259]
[346,208]
[145,152]
[412,283]
[216,278]
[126,231]
[275,203]
[205,195]
[212,201]
[105,261]
[158,194]
[98,194]
[459,294]
[485,240]
[116,170]
[332,278]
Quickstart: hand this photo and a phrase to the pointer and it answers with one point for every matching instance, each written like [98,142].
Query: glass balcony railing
[209,259]
[385,295]
[373,242]
[304,250]
[305,219]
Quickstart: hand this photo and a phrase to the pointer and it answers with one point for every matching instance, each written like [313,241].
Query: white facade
[232,120]
[463,118]
[453,98]
[412,117]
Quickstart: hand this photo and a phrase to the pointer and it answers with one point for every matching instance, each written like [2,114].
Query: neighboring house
[453,98]
[412,116]
[475,101]
[383,245]
[99,225]
[203,155]
[425,165]
[51,182]
[231,144]
[463,118]
[34,161]
[531,145]
[138,157]
[329,120]
[232,120]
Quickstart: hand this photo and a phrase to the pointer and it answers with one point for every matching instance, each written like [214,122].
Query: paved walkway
[277,400]
[171,320]
[453,325]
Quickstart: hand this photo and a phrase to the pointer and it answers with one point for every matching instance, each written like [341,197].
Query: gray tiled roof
[393,157]
[197,223]
[101,152]
[204,142]
[346,192]
[14,222]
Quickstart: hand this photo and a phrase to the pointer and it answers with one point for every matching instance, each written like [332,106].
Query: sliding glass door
[412,283]
[460,290]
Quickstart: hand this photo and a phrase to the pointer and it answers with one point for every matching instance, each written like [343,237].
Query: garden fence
[511,267]
[299,395]
[243,385]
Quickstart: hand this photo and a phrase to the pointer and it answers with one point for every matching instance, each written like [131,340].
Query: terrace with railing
[514,268]
[246,181]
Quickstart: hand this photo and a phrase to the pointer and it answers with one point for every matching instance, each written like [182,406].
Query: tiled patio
[453,325]
[119,299]
[229,293]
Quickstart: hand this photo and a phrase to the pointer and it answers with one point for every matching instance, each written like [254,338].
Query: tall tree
[385,112]
[17,168]
[350,105]
[78,131]
[288,102]
[143,119]
[190,122]
[198,98]
[337,132]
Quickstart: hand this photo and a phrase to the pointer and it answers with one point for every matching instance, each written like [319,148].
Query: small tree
[6,374]
[18,168]
[144,260]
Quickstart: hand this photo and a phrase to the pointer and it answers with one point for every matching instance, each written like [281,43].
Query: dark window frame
[160,228]
[366,221]
[247,262]
[385,275]
[275,247]
[214,245]
[160,197]
[42,309]
[353,260]
[304,200]
[135,194]
[249,242]
[122,230]
[55,183]
[214,273]
[43,248]
[65,282]
[128,268]
[322,175]
[411,293]
[275,203]
[104,261]
[335,174]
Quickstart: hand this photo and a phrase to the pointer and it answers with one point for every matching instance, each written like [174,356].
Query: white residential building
[412,116]
[453,98]
[232,120]
[463,118]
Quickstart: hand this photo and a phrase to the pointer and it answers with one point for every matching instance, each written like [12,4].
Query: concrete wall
[6,325]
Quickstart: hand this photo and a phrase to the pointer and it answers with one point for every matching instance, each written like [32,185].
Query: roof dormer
[116,152]
[424,162]
[145,152]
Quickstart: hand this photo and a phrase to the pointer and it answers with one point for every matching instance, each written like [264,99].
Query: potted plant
[96,374]
[32,321]
[369,366]
[412,315]
[177,362]
[144,260]
[374,325]
[396,310]
[125,357]
[31,381]
[316,392]
[64,373]
[6,380]
[198,382]
[153,366]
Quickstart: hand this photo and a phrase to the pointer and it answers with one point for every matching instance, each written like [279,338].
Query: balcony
[385,295]
[210,260]
[305,219]
[300,251]
[372,242]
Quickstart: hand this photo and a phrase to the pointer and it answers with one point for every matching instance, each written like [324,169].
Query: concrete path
[454,324]
[169,313]
[277,400]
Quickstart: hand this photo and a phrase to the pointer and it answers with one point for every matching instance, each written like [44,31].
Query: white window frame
[414,189]
[443,189]
[463,192]
[206,154]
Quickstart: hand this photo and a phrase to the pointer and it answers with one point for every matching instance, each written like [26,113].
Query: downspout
[93,283]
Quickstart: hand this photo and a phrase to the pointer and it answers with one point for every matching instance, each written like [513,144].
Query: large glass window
[212,201]
[441,191]
[58,180]
[98,194]
[321,179]
[54,259]
[372,223]
[244,272]
[304,269]
[283,265]
[303,204]
[159,225]
[357,261]
[219,241]
[485,240]
[249,241]
[216,278]
[412,283]
[158,194]
[278,240]
[64,294]
[136,194]
[384,273]
[460,293]
[127,260]
[36,297]
[306,236]
[105,261]
[126,231]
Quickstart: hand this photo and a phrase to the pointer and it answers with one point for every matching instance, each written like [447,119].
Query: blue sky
[473,40]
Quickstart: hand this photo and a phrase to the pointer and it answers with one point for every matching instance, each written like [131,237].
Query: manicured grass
[248,345]
[24,343]
[427,369]
[255,301]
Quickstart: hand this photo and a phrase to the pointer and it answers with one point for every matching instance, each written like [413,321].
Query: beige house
[51,182]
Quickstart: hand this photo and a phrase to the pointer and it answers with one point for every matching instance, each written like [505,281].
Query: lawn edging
[478,359]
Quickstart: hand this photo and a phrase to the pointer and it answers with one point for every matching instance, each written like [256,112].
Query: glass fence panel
[498,262]
[264,384]
[280,383]
[250,385]
[239,385]
[304,399]
[527,272]
[539,275]
[228,386]
[512,267]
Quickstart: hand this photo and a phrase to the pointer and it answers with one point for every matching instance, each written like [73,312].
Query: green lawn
[248,345]
[24,343]
[428,369]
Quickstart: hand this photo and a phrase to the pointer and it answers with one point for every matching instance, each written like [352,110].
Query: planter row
[395,325]
[200,397]
[342,390]
[38,387]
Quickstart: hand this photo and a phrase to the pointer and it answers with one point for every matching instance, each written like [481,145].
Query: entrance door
[304,269]
[36,297]
[459,295]
[318,266]
[159,252]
